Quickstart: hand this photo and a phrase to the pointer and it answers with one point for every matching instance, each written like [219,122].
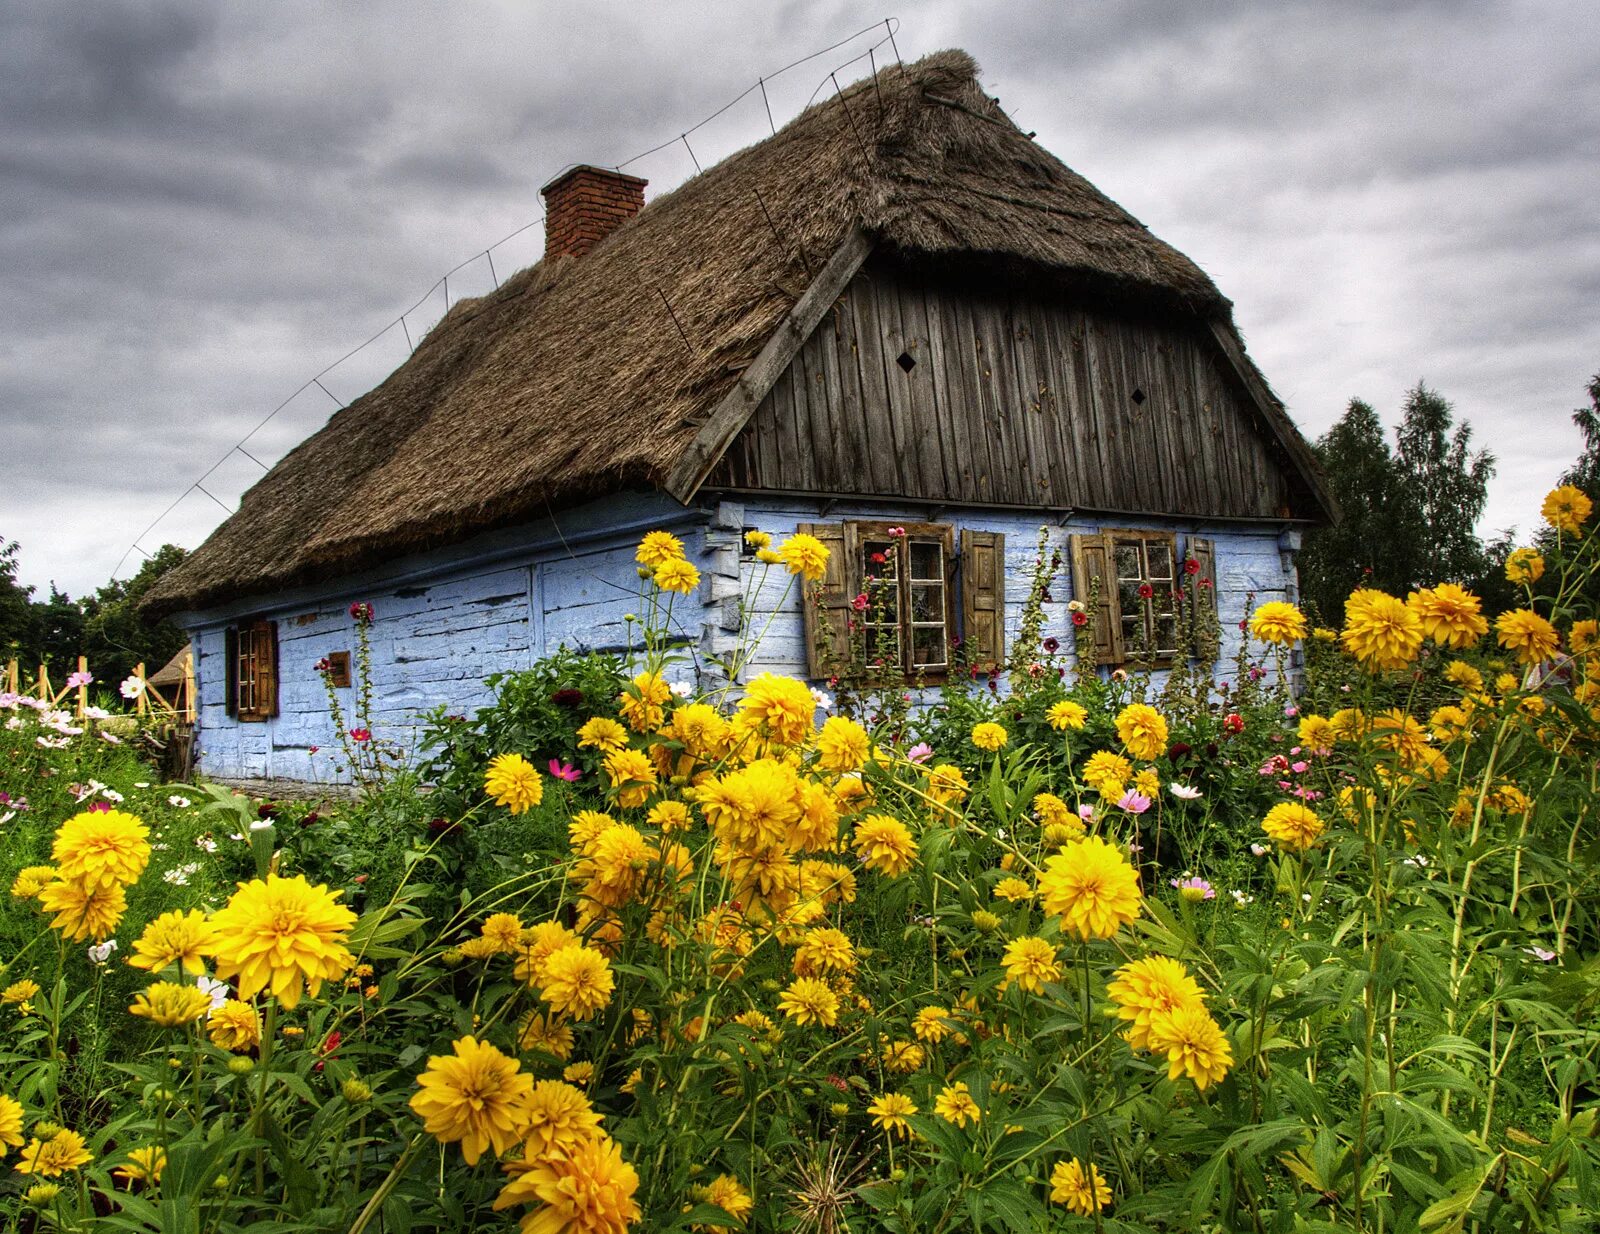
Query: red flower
[360,734]
[329,1044]
[1051,646]
[1191,566]
[1206,583]
[1146,591]
[879,559]
[361,612]
[1080,619]
[1233,722]
[860,603]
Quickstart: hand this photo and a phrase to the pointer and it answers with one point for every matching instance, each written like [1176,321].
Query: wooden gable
[915,388]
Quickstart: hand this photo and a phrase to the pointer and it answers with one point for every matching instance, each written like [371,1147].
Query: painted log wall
[1009,400]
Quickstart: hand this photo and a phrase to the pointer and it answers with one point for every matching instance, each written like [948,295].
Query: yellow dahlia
[1451,616]
[728,1194]
[53,1157]
[884,844]
[12,1116]
[1103,768]
[557,1118]
[282,935]
[890,1113]
[586,1190]
[18,993]
[1379,630]
[677,576]
[1143,731]
[577,981]
[101,849]
[1145,987]
[1091,887]
[989,736]
[657,548]
[602,733]
[81,913]
[780,709]
[1066,714]
[170,1004]
[143,1164]
[31,880]
[476,1095]
[1278,622]
[1030,962]
[632,776]
[955,1105]
[512,782]
[1194,1044]
[809,1001]
[1567,509]
[234,1026]
[1293,826]
[1084,1192]
[804,555]
[176,937]
[1527,634]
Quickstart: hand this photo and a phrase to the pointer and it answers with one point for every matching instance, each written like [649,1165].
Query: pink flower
[1299,768]
[1195,889]
[897,533]
[313,749]
[360,734]
[564,771]
[100,807]
[1133,801]
[81,678]
[920,753]
[860,603]
[1086,812]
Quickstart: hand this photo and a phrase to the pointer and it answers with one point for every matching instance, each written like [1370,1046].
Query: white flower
[54,743]
[179,876]
[14,723]
[1539,953]
[7,817]
[101,952]
[110,794]
[824,699]
[131,687]
[261,824]
[1417,860]
[181,803]
[9,701]
[1183,792]
[1240,898]
[96,713]
[205,844]
[1260,850]
[216,991]
[141,784]
[681,688]
[1074,606]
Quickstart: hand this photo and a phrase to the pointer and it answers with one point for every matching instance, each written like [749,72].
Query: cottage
[899,312]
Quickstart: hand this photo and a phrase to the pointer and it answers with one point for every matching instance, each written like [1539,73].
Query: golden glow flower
[1462,675]
[1567,509]
[1193,1043]
[780,709]
[757,539]
[809,1001]
[768,556]
[1279,623]
[546,1035]
[804,555]
[657,548]
[1143,988]
[170,1004]
[1084,1192]
[234,1026]
[557,1118]
[1316,733]
[946,784]
[677,576]
[577,981]
[1379,630]
[1451,616]
[31,880]
[81,913]
[632,776]
[842,745]
[1293,825]
[175,937]
[643,702]
[101,849]
[512,782]
[903,1057]
[955,1105]
[588,1189]
[503,931]
[282,935]
[12,1116]
[933,1024]
[824,950]
[989,736]
[1014,890]
[1029,963]
[728,1194]
[18,993]
[143,1164]
[890,1113]
[602,733]
[1525,566]
[1066,715]
[1584,635]
[1091,887]
[1527,634]
[476,1096]
[53,1157]
[884,844]
[1103,768]
[538,944]
[1143,732]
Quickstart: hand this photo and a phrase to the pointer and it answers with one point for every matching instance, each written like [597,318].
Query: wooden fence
[150,703]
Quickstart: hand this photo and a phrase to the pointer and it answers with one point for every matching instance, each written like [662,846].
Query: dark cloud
[202,205]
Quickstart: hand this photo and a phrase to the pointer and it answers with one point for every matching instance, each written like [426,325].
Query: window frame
[1116,538]
[253,671]
[858,535]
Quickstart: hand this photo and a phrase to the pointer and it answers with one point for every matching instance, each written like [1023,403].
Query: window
[903,591]
[252,659]
[1154,601]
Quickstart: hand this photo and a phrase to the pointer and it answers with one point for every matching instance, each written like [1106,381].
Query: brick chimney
[585,205]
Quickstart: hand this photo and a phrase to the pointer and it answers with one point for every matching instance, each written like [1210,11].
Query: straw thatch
[572,380]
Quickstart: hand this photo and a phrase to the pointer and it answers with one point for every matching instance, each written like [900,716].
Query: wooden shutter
[983,598]
[267,678]
[1094,573]
[230,671]
[1201,588]
[827,605]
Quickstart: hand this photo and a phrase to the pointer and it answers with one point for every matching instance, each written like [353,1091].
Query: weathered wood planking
[1012,400]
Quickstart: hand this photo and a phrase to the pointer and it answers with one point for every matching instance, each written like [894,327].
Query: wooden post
[42,686]
[83,691]
[140,705]
[11,676]
[188,687]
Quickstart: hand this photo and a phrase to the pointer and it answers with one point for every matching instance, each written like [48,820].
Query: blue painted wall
[444,621]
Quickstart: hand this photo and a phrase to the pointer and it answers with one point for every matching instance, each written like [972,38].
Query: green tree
[1446,485]
[116,636]
[17,638]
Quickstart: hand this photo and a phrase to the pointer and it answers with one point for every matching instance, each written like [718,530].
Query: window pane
[927,561]
[1128,564]
[879,559]
[927,602]
[1158,559]
[927,646]
[1166,636]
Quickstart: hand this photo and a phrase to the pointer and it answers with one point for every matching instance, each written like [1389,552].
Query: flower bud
[985,922]
[241,1065]
[355,1092]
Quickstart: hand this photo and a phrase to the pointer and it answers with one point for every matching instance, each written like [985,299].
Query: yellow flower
[1014,890]
[955,1105]
[1293,826]
[903,1057]
[1066,714]
[53,1157]
[632,776]
[81,913]
[1091,887]
[824,950]
[577,981]
[603,734]
[677,576]
[1584,635]
[933,1024]
[477,1096]
[12,1116]
[946,784]
[1316,733]
[1083,1192]
[1147,782]
[781,709]
[643,702]
[504,932]
[757,539]
[19,992]
[587,1189]
[1527,634]
[282,935]
[512,782]
[1462,675]
[234,1026]
[176,937]
[989,736]
[556,1119]
[884,844]
[1324,635]
[1451,616]
[728,1194]
[1567,509]
[538,945]
[1030,962]
[657,548]
[1143,988]
[1193,1043]
[809,1001]
[1397,730]
[768,556]
[101,850]
[1143,731]
[1525,566]
[171,1005]
[1379,630]
[547,1036]
[669,816]
[842,745]
[890,1112]
[578,1073]
[31,880]
[1103,768]
[1279,623]
[613,865]
[804,555]
[143,1164]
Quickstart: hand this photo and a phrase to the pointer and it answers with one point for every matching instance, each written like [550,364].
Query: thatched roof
[572,380]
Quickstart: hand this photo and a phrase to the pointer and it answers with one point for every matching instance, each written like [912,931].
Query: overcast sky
[201,206]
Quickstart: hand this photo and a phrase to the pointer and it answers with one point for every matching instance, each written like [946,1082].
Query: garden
[1188,950]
